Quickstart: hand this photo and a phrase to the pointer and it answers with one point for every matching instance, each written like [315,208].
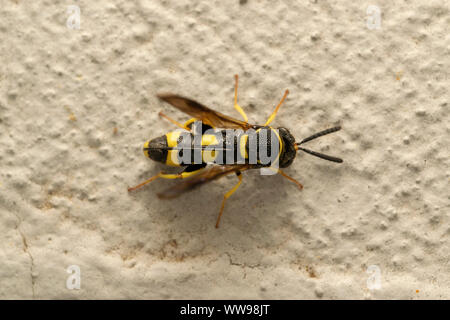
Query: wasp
[209,128]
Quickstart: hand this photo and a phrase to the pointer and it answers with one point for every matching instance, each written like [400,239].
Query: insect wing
[205,114]
[200,179]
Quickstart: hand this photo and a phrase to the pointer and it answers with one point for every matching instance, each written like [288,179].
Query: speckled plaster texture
[76,106]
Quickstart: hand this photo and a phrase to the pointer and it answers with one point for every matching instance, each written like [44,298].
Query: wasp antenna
[319,134]
[321,155]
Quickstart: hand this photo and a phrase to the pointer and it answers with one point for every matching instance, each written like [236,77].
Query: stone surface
[76,106]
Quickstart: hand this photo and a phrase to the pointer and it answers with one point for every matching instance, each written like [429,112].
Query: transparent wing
[205,114]
[200,179]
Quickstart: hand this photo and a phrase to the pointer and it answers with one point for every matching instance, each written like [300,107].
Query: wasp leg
[159,175]
[174,121]
[236,106]
[189,123]
[187,172]
[227,195]
[299,185]
[192,169]
[272,116]
[144,183]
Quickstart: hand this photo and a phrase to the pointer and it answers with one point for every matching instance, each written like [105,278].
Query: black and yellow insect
[166,149]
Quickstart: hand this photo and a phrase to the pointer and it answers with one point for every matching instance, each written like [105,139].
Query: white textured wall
[77,105]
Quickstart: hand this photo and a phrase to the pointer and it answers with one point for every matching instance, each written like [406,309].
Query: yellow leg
[272,116]
[171,175]
[164,176]
[181,175]
[144,183]
[236,106]
[227,195]
[299,185]
[174,122]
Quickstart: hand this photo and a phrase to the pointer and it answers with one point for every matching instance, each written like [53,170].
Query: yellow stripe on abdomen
[243,146]
[172,158]
[209,155]
[146,149]
[172,138]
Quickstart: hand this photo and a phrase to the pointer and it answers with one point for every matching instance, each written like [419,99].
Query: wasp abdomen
[156,149]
